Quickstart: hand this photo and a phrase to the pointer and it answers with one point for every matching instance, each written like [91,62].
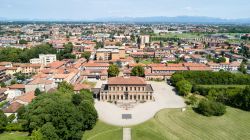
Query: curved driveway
[164,95]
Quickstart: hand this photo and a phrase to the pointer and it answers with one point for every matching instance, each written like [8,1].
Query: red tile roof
[12,108]
[27,97]
[126,81]
[17,86]
[79,87]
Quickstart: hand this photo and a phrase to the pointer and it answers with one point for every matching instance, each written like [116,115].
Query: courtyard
[135,113]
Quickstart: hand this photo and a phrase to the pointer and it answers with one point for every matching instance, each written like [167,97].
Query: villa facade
[126,88]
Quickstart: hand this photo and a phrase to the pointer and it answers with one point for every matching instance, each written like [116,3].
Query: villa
[126,88]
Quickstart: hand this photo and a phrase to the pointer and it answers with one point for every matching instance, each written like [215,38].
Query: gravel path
[164,95]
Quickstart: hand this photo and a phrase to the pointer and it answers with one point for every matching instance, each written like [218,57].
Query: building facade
[131,89]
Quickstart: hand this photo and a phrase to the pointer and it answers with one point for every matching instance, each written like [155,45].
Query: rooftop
[126,81]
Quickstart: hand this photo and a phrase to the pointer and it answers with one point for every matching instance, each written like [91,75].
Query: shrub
[184,87]
[211,108]
[11,118]
[192,100]
[14,127]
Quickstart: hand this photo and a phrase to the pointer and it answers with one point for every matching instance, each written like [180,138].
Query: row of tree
[234,95]
[24,56]
[113,71]
[211,78]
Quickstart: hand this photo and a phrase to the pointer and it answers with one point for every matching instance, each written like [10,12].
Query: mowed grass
[103,131]
[188,125]
[172,124]
[14,136]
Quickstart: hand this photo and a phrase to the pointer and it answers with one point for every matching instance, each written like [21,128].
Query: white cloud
[188,8]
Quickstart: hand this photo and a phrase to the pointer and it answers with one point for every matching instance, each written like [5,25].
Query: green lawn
[14,136]
[103,131]
[174,124]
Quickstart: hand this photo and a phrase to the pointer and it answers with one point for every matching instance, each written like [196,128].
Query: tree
[37,92]
[242,100]
[99,45]
[87,95]
[86,55]
[13,82]
[113,70]
[132,37]
[76,99]
[184,87]
[211,108]
[22,41]
[176,78]
[242,68]
[2,84]
[3,121]
[138,71]
[65,87]
[67,118]
[48,132]
[11,118]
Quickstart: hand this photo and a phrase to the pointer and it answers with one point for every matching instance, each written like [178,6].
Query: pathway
[126,133]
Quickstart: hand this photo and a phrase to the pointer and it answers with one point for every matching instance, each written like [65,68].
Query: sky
[93,9]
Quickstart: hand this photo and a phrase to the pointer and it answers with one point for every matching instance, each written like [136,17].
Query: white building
[144,39]
[44,59]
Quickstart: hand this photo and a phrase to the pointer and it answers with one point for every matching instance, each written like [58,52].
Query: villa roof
[126,81]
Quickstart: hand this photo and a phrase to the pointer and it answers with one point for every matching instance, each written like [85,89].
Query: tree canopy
[86,55]
[113,70]
[58,115]
[138,71]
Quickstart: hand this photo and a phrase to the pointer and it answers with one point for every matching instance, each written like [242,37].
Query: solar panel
[126,116]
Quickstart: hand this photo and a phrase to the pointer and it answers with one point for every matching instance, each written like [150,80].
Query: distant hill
[156,19]
[178,19]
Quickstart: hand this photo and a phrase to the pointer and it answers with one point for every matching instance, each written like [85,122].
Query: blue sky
[91,9]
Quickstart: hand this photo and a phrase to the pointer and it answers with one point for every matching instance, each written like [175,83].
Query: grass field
[14,136]
[103,131]
[172,124]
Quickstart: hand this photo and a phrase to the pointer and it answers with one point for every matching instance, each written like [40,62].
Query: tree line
[24,55]
[235,95]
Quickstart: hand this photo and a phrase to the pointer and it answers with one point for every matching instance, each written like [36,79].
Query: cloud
[188,8]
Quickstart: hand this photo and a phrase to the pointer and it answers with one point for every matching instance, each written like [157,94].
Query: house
[122,89]
[79,87]
[40,83]
[20,87]
[3,75]
[44,59]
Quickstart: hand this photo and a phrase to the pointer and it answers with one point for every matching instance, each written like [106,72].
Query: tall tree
[3,121]
[138,71]
[86,55]
[113,70]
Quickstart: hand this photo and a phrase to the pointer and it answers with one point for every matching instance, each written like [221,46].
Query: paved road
[164,95]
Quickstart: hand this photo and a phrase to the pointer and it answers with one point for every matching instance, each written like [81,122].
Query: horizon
[98,9]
